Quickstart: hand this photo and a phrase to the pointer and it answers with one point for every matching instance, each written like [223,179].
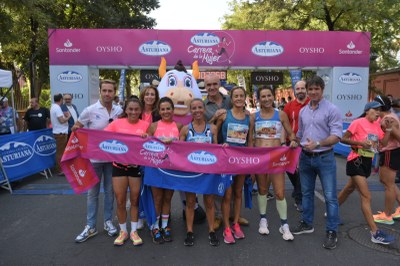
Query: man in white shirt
[98,116]
[59,122]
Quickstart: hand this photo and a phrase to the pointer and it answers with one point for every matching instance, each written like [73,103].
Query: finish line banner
[183,156]
[27,153]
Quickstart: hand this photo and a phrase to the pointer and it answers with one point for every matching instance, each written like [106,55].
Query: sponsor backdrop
[196,157]
[27,153]
[140,48]
[350,93]
[327,75]
[82,82]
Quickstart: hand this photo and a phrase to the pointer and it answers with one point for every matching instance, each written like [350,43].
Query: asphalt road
[40,230]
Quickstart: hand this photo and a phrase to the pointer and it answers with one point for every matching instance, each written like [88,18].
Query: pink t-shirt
[393,143]
[166,130]
[122,125]
[361,129]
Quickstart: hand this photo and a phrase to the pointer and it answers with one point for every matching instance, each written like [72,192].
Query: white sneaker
[263,229]
[110,228]
[286,234]
[140,224]
[86,233]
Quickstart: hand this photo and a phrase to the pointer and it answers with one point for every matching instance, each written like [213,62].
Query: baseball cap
[385,101]
[372,105]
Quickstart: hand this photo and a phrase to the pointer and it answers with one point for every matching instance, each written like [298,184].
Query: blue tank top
[202,137]
[235,131]
[268,128]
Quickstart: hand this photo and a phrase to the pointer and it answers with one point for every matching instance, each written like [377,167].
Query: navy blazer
[71,120]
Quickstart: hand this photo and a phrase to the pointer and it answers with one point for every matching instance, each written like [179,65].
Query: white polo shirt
[55,113]
[96,115]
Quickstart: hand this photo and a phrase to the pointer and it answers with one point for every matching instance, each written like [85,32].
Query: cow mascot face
[181,87]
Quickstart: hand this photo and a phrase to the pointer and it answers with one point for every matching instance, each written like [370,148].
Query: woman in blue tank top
[201,132]
[234,125]
[267,127]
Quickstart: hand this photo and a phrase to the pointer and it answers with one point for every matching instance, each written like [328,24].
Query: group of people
[309,121]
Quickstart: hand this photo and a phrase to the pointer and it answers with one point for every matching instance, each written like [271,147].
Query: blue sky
[190,14]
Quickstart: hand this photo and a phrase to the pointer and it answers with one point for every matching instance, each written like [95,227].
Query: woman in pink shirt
[389,162]
[166,130]
[127,175]
[364,135]
[149,97]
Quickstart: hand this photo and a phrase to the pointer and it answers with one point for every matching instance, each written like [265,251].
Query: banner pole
[4,183]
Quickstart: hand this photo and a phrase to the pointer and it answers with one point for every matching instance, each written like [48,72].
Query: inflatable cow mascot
[181,87]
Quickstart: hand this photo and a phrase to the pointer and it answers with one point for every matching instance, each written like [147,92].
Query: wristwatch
[318,145]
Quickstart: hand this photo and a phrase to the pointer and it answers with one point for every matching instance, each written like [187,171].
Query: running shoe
[263,226]
[166,234]
[137,241]
[87,233]
[110,228]
[299,206]
[120,240]
[381,237]
[330,240]
[189,240]
[382,218]
[212,236]
[303,228]
[237,231]
[285,231]
[228,237]
[396,214]
[157,237]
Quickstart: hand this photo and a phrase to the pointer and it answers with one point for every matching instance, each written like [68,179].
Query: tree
[380,17]
[24,26]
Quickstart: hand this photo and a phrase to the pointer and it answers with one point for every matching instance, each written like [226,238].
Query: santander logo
[68,48]
[351,50]
[283,161]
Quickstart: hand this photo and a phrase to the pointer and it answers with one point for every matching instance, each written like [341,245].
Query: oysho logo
[205,39]
[45,145]
[154,48]
[113,146]
[15,153]
[350,49]
[154,146]
[69,77]
[243,160]
[202,157]
[267,48]
[350,78]
[353,97]
[68,48]
[311,50]
[109,49]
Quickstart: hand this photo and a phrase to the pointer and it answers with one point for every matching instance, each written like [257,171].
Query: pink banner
[140,48]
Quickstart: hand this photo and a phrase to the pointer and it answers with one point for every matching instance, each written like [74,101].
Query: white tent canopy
[5,79]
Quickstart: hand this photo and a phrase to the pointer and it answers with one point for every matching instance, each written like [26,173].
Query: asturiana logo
[267,48]
[69,77]
[113,146]
[202,157]
[45,145]
[205,39]
[154,48]
[154,146]
[15,153]
[350,78]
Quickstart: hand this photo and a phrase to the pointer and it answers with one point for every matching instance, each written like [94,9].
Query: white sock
[134,226]
[123,227]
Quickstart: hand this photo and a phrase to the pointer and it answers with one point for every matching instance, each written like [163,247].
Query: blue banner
[121,89]
[295,76]
[187,181]
[27,153]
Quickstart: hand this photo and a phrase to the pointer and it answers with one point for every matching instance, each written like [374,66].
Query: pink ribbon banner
[220,49]
[87,144]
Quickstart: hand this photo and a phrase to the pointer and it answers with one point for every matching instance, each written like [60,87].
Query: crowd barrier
[25,154]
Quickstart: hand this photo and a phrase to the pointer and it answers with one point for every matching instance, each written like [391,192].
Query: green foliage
[380,17]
